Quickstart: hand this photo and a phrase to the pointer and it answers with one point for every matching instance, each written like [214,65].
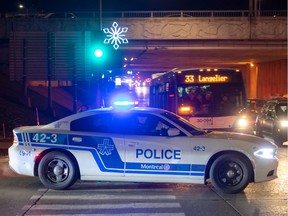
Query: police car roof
[73,117]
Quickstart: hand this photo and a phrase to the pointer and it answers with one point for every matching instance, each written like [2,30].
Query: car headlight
[284,123]
[267,153]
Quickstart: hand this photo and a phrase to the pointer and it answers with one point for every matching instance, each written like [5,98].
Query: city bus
[209,98]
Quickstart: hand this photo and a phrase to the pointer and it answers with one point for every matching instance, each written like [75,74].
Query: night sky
[128,5]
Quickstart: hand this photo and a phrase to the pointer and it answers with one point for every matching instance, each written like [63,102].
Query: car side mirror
[173,132]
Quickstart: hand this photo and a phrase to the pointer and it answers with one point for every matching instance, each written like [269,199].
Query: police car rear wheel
[57,171]
[230,173]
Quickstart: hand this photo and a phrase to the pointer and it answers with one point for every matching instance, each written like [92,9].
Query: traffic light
[98,53]
[102,56]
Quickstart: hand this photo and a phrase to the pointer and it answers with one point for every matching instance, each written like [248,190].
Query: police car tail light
[185,110]
[15,139]
[267,153]
[284,123]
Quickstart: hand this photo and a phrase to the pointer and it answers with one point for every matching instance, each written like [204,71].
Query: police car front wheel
[230,173]
[57,171]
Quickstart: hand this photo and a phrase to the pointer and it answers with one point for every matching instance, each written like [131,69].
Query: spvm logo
[105,148]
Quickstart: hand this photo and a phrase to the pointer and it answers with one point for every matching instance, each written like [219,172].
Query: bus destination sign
[206,79]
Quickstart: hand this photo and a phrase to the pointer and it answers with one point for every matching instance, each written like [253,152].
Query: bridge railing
[146,14]
[166,14]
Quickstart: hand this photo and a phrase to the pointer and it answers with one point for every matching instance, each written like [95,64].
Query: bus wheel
[230,173]
[57,171]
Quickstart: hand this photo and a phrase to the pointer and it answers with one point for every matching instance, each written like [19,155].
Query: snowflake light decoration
[115,35]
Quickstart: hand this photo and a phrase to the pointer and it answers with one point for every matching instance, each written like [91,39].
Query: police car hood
[241,137]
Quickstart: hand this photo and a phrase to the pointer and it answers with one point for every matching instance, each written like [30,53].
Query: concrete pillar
[253,81]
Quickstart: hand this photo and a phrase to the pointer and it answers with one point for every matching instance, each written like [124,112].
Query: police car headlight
[267,153]
[284,123]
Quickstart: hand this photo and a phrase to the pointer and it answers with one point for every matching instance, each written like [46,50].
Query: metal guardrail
[149,14]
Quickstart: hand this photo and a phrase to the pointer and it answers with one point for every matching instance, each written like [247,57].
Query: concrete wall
[255,28]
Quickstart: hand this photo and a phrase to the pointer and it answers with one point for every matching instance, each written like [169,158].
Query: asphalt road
[22,195]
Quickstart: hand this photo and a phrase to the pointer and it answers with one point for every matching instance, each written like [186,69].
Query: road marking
[121,202]
[138,205]
[126,214]
[112,189]
[103,197]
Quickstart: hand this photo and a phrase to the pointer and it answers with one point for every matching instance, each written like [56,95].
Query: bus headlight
[267,153]
[243,122]
[284,123]
[185,110]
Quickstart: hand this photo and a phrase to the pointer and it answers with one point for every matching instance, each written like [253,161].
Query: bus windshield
[183,123]
[212,100]
[208,98]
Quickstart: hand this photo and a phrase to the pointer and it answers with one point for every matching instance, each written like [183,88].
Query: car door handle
[132,144]
[77,139]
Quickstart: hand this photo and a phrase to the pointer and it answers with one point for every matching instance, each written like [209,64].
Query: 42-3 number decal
[44,138]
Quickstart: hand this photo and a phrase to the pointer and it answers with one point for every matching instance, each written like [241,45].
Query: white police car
[139,145]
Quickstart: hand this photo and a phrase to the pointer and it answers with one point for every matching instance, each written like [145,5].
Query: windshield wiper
[198,132]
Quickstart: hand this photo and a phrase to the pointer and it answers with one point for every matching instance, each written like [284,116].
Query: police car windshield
[184,123]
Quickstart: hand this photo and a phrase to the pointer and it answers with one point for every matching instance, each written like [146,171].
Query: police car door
[97,146]
[152,154]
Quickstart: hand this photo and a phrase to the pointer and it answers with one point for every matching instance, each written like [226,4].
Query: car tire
[57,171]
[230,173]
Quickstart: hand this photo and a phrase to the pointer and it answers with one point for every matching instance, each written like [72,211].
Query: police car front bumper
[265,169]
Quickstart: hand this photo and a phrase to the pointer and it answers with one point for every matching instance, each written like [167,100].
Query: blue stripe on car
[108,159]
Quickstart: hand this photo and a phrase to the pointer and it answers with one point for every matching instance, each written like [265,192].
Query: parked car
[272,120]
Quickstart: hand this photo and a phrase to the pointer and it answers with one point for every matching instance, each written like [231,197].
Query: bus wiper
[198,132]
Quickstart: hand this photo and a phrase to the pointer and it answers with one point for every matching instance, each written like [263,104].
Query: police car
[139,145]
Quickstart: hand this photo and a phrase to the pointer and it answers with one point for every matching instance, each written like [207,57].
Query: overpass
[162,40]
